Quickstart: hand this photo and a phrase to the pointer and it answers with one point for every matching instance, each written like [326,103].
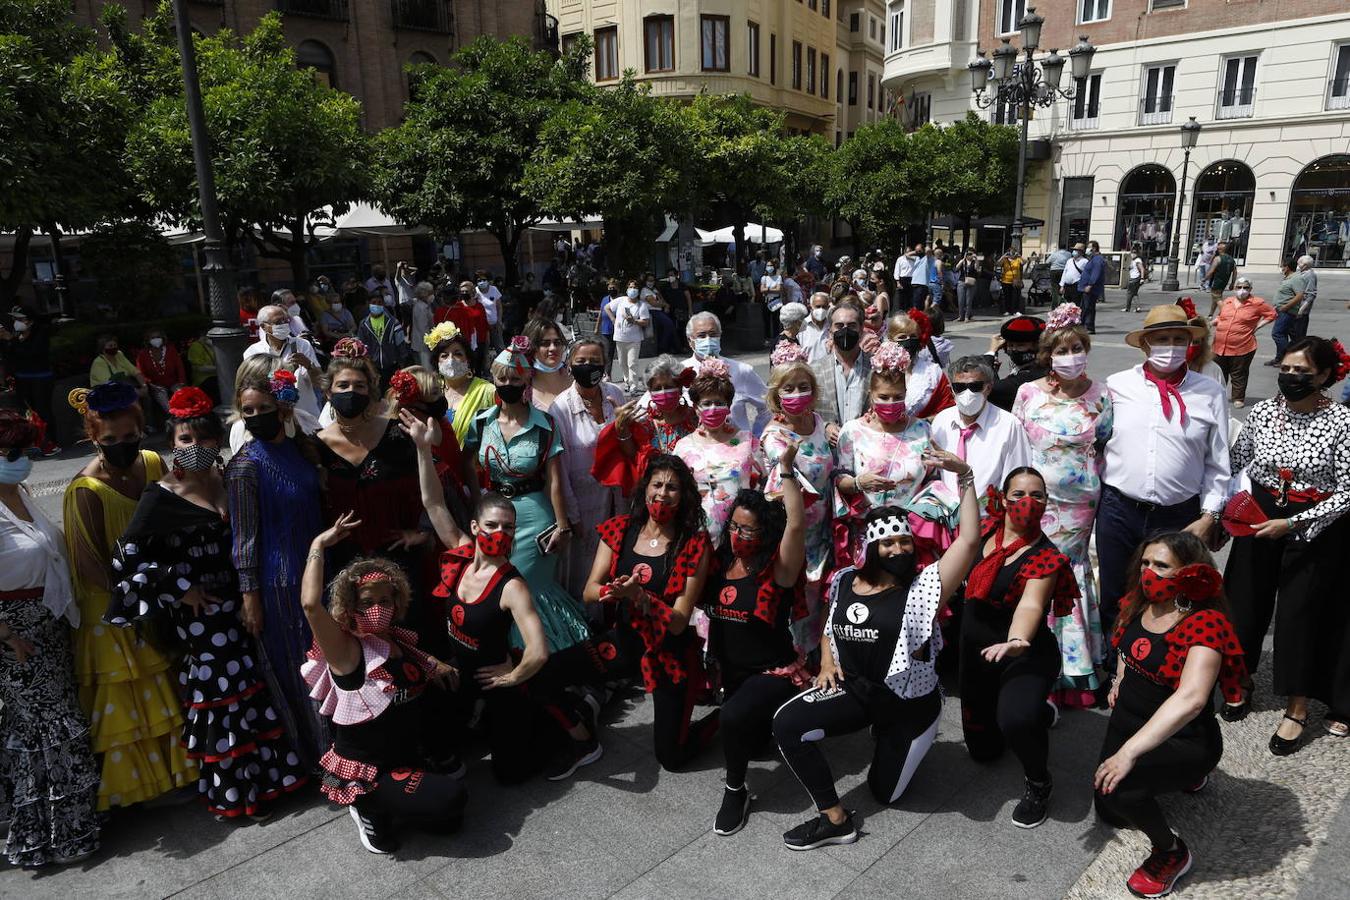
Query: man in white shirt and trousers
[1166,462]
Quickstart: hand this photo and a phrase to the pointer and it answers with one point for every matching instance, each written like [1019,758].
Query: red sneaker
[1160,872]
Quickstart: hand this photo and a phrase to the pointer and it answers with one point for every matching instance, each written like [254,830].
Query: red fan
[1242,514]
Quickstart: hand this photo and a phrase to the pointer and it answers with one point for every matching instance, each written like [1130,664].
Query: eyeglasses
[959,387]
[552,342]
[746,531]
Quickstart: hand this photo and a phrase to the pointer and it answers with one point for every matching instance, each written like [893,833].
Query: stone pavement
[1265,827]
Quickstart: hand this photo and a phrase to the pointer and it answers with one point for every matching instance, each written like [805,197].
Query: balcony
[336,10]
[1339,95]
[1156,110]
[1237,103]
[1087,123]
[423,15]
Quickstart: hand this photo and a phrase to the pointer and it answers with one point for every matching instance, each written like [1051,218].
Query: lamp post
[227,336]
[1026,84]
[1190,133]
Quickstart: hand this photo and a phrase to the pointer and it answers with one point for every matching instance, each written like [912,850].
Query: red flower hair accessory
[190,403]
[350,348]
[1343,364]
[920,318]
[1198,581]
[1188,305]
[283,387]
[687,377]
[405,388]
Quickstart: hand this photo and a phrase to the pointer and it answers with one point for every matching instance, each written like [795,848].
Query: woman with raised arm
[370,678]
[877,664]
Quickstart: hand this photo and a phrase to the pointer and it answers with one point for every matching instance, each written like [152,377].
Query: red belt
[1311,495]
[23,594]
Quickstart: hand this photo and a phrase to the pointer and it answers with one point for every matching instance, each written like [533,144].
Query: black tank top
[652,572]
[864,629]
[740,642]
[390,739]
[1144,651]
[480,630]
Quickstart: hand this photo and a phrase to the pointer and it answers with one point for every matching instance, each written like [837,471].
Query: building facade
[364,46]
[1269,82]
[818,61]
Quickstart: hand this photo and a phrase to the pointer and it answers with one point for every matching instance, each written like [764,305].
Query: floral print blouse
[720,470]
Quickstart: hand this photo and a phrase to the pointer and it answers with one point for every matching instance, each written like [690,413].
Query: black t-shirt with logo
[740,641]
[480,630]
[864,629]
[389,739]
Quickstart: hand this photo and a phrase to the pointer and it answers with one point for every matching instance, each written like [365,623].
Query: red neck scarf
[1168,387]
[981,579]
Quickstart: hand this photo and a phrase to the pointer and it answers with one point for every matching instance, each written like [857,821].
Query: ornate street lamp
[1190,133]
[1024,84]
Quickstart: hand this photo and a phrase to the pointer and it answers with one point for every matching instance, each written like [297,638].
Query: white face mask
[20,326]
[157,342]
[293,309]
[453,368]
[1243,293]
[1167,359]
[632,293]
[819,314]
[281,331]
[1069,366]
[970,403]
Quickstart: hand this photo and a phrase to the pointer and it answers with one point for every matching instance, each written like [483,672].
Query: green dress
[518,462]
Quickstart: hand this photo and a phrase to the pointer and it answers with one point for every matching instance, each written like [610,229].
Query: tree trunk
[508,239]
[299,256]
[965,233]
[856,238]
[18,269]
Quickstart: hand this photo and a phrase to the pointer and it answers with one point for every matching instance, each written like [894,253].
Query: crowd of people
[440,541]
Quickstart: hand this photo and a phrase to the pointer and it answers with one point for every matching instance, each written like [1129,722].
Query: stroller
[1041,291]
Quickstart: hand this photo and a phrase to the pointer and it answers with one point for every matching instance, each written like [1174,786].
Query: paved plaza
[1265,827]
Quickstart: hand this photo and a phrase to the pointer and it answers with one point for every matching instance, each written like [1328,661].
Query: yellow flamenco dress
[125,684]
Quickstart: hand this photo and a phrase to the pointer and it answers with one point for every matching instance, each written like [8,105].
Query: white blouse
[33,555]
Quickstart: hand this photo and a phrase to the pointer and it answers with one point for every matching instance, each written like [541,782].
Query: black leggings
[415,798]
[747,720]
[1004,702]
[903,729]
[677,737]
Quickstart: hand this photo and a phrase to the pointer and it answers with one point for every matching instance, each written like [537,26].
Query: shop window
[1222,208]
[1144,212]
[1075,212]
[1319,213]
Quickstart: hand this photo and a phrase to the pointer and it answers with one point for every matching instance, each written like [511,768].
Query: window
[825,8]
[839,87]
[796,65]
[854,22]
[811,70]
[716,54]
[852,88]
[1237,87]
[920,109]
[825,76]
[418,58]
[1340,78]
[607,53]
[1157,102]
[658,43]
[1005,111]
[897,13]
[811,4]
[1075,211]
[773,59]
[1010,12]
[872,28]
[752,48]
[569,42]
[318,58]
[1086,102]
[871,91]
[1167,4]
[1093,11]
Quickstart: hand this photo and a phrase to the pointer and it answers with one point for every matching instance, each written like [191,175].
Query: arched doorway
[1222,210]
[316,56]
[1319,212]
[1144,214]
[418,58]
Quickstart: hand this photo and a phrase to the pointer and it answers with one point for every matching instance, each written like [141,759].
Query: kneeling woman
[751,603]
[877,663]
[1009,657]
[369,677]
[653,563]
[1174,641]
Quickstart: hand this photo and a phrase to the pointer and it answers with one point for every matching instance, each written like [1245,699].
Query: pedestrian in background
[1289,297]
[1138,272]
[1073,271]
[1010,280]
[1092,285]
[1240,317]
[1222,270]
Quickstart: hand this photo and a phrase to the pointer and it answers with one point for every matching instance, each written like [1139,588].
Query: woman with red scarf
[623,447]
[651,565]
[1009,657]
[369,676]
[1175,642]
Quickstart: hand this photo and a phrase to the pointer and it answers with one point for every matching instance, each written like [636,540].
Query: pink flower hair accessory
[890,357]
[1065,315]
[786,353]
[712,367]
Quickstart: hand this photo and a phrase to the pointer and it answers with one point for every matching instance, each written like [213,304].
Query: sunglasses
[960,388]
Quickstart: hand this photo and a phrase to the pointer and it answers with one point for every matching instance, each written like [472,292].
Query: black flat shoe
[1236,712]
[1285,746]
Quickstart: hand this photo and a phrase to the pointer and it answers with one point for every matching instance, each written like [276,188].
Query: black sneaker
[820,832]
[1031,809]
[581,753]
[735,810]
[373,838]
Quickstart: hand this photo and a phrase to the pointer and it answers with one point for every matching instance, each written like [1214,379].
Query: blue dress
[275,515]
[520,463]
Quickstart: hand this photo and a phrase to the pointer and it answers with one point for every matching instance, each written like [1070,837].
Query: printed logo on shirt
[854,633]
[456,628]
[457,614]
[1141,648]
[727,596]
[607,651]
[857,613]
[642,573]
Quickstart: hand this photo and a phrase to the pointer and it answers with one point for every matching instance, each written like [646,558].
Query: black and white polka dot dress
[232,728]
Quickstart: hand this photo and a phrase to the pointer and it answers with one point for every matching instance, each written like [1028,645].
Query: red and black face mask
[1025,513]
[1157,589]
[745,547]
[494,543]
[375,619]
[660,512]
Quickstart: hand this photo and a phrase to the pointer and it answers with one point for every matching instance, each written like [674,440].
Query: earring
[1183,605]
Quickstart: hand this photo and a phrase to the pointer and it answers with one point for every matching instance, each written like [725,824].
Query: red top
[166,371]
[941,399]
[472,320]
[1206,628]
[1041,561]
[1235,329]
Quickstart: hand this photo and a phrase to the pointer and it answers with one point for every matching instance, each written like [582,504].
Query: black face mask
[588,374]
[264,426]
[121,455]
[349,404]
[438,409]
[510,393]
[846,339]
[900,566]
[1294,386]
[1022,357]
[911,345]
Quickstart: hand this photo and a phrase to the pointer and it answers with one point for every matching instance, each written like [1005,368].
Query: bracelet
[314,555]
[786,474]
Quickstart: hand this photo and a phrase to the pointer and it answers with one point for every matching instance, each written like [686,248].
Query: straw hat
[1166,317]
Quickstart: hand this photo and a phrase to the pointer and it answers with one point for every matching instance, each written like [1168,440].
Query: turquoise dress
[520,463]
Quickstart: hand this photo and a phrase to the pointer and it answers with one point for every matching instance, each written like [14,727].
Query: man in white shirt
[295,353]
[491,298]
[903,272]
[1166,462]
[990,440]
[815,334]
[1073,270]
[748,411]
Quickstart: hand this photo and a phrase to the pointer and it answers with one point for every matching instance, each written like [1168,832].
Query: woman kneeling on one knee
[877,662]
[1174,641]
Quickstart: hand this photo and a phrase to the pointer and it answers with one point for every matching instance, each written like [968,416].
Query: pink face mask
[796,404]
[889,411]
[712,417]
[667,399]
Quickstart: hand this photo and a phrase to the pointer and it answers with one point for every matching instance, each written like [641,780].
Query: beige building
[819,61]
